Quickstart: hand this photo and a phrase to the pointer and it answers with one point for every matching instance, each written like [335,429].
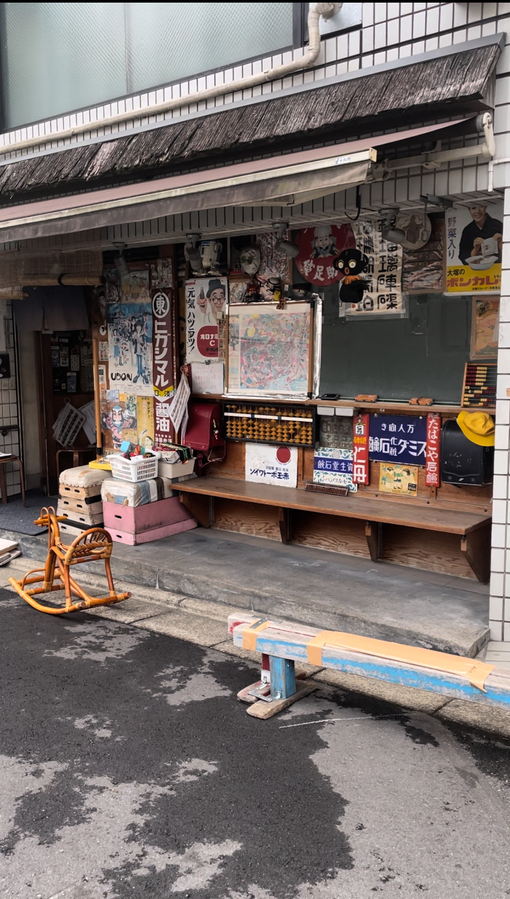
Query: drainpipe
[326,10]
[492,163]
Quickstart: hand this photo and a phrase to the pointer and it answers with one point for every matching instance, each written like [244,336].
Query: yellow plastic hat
[477,427]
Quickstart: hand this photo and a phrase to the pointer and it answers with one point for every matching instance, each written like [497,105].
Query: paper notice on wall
[207,378]
[179,405]
[89,425]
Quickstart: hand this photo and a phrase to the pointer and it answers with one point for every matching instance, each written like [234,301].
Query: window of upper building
[60,57]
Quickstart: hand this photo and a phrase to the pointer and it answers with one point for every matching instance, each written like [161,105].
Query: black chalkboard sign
[423,355]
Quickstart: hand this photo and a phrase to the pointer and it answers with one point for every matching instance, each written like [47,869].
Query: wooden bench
[473,528]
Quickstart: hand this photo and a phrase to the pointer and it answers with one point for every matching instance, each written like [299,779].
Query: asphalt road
[128,769]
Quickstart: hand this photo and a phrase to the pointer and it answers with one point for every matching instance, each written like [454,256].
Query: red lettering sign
[207,341]
[432,453]
[360,463]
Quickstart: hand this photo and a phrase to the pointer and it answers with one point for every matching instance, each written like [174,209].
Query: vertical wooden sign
[360,463]
[162,348]
[162,344]
[432,454]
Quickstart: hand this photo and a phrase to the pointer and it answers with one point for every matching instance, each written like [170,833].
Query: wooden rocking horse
[91,546]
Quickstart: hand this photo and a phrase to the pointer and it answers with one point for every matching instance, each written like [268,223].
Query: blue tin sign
[332,465]
[398,438]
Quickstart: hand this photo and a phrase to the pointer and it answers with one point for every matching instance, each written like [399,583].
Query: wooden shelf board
[389,406]
[403,513]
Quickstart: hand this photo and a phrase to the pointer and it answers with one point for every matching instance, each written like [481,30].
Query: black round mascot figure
[351,263]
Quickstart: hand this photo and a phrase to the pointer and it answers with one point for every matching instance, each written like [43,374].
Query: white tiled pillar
[9,442]
[499,610]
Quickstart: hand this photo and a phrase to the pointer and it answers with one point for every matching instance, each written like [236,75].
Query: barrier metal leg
[277,688]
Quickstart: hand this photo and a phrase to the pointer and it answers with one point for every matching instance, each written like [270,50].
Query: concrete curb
[345,594]
[204,623]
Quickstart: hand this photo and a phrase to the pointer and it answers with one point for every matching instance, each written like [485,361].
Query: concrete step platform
[327,590]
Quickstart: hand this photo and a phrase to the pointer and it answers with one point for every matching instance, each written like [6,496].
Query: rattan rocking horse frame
[93,545]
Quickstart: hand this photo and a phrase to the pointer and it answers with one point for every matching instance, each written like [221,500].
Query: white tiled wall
[500,575]
[9,442]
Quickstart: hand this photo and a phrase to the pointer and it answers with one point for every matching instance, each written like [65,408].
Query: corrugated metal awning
[281,181]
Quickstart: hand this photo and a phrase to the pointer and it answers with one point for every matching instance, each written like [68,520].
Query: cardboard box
[175,469]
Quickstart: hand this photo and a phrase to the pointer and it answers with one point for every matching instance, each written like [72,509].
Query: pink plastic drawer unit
[148,522]
[168,530]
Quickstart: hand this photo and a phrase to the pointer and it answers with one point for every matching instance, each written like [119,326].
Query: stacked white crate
[80,499]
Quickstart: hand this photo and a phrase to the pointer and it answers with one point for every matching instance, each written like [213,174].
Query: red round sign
[207,341]
[283,454]
[318,247]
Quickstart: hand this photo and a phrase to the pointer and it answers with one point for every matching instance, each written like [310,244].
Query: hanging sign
[318,247]
[474,237]
[432,464]
[179,406]
[162,356]
[360,464]
[383,275]
[398,438]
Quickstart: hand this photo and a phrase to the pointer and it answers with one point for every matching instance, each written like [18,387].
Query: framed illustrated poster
[270,350]
[484,328]
[402,479]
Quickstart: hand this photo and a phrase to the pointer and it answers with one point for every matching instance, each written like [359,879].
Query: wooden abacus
[293,425]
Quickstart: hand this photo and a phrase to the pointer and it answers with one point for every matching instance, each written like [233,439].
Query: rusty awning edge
[283,181]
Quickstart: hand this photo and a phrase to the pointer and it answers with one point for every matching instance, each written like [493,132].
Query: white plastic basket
[139,468]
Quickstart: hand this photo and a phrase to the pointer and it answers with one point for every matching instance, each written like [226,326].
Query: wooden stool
[78,454]
[3,485]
